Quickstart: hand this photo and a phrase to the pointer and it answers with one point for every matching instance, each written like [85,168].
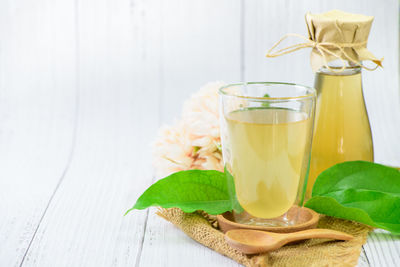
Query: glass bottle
[342,131]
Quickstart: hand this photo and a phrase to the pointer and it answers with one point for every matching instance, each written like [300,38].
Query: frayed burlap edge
[203,228]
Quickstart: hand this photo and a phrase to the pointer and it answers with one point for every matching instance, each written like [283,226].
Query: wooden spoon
[255,241]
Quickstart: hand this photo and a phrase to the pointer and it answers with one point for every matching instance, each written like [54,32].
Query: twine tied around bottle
[324,49]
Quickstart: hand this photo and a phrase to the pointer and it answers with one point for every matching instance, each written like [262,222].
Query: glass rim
[312,94]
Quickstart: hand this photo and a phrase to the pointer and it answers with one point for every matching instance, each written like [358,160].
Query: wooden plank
[118,116]
[363,260]
[200,43]
[383,249]
[172,247]
[37,115]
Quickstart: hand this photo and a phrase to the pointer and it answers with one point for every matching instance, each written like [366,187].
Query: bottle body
[342,131]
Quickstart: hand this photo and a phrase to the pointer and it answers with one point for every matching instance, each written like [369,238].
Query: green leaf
[265,104]
[190,191]
[361,191]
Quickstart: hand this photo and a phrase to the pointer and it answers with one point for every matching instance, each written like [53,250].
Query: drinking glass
[266,132]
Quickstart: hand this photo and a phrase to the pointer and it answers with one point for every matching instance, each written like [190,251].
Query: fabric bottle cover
[334,35]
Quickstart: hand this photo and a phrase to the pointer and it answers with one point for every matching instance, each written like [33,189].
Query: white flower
[194,141]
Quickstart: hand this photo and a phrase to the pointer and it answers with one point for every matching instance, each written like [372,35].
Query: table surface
[84,86]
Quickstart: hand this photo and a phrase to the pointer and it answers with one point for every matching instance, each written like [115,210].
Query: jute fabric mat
[315,252]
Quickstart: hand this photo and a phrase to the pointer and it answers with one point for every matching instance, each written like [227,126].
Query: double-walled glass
[266,131]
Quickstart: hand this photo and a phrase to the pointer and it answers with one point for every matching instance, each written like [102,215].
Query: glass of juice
[266,132]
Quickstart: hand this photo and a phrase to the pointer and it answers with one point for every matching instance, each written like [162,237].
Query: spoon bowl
[250,241]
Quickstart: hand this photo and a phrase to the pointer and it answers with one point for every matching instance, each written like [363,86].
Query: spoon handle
[317,233]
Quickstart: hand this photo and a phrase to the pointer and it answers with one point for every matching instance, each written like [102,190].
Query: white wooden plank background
[85,84]
[38,112]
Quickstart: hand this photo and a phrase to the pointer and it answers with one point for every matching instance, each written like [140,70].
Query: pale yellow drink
[267,157]
[342,131]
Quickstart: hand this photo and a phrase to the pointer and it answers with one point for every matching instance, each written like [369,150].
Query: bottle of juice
[339,50]
[341,129]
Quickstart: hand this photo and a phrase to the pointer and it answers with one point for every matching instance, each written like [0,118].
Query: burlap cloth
[315,252]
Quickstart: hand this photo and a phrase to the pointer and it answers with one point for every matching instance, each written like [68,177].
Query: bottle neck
[337,87]
[336,68]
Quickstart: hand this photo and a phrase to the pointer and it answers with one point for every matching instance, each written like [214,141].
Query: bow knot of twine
[324,49]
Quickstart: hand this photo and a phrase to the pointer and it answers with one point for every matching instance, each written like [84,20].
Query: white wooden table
[84,86]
